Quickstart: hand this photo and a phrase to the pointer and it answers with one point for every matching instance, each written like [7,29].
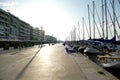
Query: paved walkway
[50,63]
[13,62]
[53,63]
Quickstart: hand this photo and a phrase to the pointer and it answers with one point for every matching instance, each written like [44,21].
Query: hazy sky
[57,17]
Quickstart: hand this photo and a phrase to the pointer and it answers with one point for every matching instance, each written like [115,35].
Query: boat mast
[78,31]
[93,21]
[103,19]
[89,21]
[71,35]
[74,33]
[86,29]
[106,19]
[114,17]
[83,28]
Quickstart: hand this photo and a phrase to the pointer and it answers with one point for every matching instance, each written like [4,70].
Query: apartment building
[49,38]
[4,24]
[13,28]
[42,34]
[38,34]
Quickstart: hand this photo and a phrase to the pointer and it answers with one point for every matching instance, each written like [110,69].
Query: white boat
[111,60]
[91,50]
[93,47]
[81,49]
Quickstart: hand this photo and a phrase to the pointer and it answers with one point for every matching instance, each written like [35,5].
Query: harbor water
[114,71]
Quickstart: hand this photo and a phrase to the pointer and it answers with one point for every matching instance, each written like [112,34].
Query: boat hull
[92,51]
[115,64]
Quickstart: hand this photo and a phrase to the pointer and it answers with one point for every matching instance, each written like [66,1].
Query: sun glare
[51,16]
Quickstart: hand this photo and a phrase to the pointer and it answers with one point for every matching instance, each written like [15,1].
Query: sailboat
[111,59]
[89,49]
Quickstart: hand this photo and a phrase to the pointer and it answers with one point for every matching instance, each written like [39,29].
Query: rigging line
[110,16]
[110,29]
[77,34]
[118,16]
[74,33]
[71,35]
[87,29]
[119,4]
[98,17]
[98,29]
[116,20]
[79,30]
[96,25]
[117,33]
[113,7]
[115,16]
[99,20]
[119,1]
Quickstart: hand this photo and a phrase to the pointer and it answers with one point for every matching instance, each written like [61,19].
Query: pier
[50,62]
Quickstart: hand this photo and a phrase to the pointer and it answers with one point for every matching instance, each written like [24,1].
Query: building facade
[42,34]
[13,28]
[49,38]
[4,24]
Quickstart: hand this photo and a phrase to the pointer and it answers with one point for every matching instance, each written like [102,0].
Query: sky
[58,17]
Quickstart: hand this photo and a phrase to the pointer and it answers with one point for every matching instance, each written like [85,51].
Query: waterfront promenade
[49,63]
